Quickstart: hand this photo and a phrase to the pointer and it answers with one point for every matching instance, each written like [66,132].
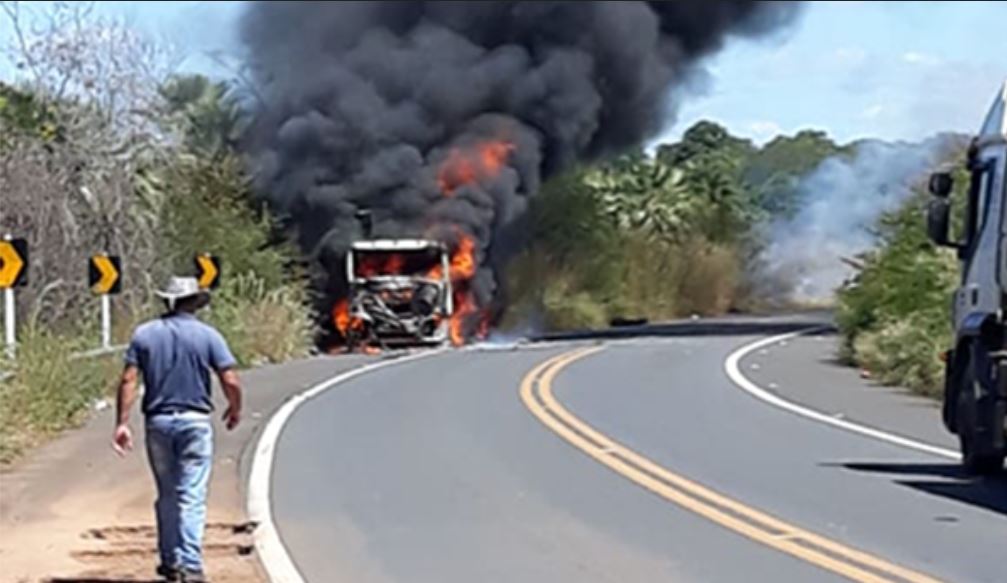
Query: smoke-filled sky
[893,70]
[442,119]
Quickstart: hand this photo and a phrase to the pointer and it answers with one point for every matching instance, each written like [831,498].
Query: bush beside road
[895,316]
[48,390]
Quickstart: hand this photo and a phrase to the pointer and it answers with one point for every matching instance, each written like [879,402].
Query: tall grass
[49,390]
[262,324]
[906,352]
[638,277]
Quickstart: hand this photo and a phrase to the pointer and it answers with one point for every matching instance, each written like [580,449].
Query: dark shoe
[167,573]
[192,576]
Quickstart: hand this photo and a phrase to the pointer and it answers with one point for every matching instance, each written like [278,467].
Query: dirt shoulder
[73,511]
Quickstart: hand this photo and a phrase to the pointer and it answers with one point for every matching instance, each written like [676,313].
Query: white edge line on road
[733,369]
[273,554]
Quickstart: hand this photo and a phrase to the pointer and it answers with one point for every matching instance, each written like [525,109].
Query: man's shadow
[989,492]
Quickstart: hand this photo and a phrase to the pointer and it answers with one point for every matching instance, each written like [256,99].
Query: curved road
[628,460]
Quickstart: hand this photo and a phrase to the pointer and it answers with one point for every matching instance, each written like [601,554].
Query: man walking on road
[175,354]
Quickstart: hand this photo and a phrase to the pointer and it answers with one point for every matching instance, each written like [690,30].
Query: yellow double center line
[537,395]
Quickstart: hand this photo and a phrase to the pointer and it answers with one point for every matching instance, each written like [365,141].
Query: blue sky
[894,70]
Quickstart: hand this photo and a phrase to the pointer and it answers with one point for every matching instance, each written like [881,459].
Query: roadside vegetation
[656,237]
[49,390]
[895,316]
[120,156]
[680,233]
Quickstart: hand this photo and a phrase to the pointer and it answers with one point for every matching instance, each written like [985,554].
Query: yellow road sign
[207,271]
[104,274]
[13,263]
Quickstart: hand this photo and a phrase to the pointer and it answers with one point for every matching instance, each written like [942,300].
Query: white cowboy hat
[180,288]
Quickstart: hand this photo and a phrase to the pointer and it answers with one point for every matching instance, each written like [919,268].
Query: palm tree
[640,193]
[206,113]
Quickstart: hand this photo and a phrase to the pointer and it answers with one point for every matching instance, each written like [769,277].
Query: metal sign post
[104,276]
[10,340]
[106,321]
[13,273]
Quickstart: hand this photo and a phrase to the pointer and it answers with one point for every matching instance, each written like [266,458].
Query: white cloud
[873,112]
[916,58]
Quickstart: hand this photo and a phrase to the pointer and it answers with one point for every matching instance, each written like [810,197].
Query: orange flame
[461,270]
[395,264]
[375,265]
[465,167]
[341,316]
[343,320]
[465,306]
[461,321]
[463,261]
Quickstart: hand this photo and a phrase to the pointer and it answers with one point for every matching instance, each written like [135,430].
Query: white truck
[399,292]
[975,394]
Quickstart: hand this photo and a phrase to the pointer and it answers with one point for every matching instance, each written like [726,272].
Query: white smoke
[841,203]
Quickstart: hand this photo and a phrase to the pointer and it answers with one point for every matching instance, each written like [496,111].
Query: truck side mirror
[938,222]
[941,184]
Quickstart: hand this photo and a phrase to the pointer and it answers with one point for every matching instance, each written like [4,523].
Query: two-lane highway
[629,460]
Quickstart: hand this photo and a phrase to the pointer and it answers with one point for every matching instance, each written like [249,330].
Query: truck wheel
[979,464]
[977,457]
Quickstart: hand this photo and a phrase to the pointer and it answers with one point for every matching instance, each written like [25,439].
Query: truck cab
[400,292]
[975,392]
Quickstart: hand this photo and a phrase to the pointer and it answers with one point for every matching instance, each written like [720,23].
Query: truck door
[980,290]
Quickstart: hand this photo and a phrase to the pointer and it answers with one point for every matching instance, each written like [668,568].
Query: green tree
[205,113]
[773,173]
[642,194]
[21,113]
[701,139]
[711,162]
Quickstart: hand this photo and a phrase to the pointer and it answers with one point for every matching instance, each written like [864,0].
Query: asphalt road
[649,465]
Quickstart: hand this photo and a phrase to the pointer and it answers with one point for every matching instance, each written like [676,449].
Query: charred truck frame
[975,393]
[399,292]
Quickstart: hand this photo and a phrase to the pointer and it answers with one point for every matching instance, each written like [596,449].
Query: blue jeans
[180,449]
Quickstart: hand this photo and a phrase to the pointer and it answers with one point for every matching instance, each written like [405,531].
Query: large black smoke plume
[362,104]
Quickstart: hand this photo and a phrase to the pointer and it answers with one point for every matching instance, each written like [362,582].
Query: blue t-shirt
[176,354]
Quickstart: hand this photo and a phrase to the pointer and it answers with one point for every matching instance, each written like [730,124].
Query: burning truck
[421,292]
[399,293]
[408,292]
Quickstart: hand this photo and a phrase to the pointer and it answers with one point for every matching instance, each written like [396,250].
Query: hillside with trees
[656,237]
